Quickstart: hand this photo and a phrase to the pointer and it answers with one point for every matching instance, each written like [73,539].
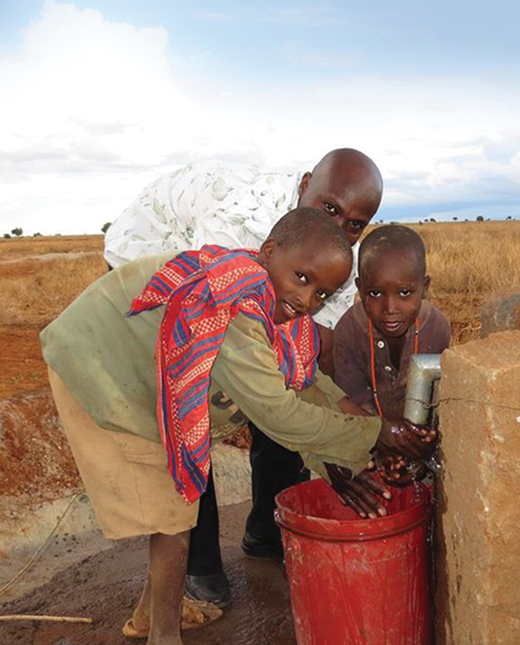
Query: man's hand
[358,492]
[406,438]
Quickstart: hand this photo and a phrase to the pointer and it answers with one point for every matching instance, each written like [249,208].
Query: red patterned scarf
[203,291]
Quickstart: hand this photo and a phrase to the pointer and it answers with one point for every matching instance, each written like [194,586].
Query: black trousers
[204,555]
[274,468]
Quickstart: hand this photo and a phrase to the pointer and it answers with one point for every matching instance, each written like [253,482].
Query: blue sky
[98,98]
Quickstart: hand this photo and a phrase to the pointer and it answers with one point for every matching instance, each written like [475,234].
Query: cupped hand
[396,470]
[406,438]
[360,492]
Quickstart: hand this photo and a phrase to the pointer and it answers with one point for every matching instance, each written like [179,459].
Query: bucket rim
[356,530]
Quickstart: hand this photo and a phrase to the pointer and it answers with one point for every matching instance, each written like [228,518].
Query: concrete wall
[478,515]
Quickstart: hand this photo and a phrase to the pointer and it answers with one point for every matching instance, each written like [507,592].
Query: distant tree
[420,222]
[479,218]
[509,218]
[455,219]
[37,234]
[432,219]
[106,226]
[17,232]
[7,236]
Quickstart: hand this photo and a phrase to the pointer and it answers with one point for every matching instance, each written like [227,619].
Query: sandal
[198,613]
[195,614]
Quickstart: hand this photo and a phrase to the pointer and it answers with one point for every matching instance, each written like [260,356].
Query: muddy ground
[105,587]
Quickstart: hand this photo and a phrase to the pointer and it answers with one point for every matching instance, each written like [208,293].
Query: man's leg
[168,562]
[274,468]
[206,579]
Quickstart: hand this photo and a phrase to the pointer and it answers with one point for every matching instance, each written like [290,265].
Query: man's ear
[266,251]
[426,285]
[304,183]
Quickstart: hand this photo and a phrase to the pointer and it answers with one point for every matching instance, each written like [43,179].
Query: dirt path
[106,586]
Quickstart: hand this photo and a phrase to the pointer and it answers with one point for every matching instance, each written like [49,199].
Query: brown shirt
[352,357]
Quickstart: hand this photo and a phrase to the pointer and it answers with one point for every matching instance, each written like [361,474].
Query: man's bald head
[356,170]
[347,185]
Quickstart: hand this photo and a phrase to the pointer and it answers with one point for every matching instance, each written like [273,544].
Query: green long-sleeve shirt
[107,361]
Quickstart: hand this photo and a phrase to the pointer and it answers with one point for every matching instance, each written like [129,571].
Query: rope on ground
[38,553]
[48,619]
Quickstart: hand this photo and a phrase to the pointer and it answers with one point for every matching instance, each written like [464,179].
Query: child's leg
[140,620]
[168,561]
[194,613]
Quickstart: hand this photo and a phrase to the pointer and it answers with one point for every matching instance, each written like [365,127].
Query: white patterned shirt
[231,204]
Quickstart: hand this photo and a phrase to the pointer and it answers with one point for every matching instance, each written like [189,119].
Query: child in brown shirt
[375,339]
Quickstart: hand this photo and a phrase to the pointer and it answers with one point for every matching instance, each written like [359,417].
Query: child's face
[303,276]
[391,289]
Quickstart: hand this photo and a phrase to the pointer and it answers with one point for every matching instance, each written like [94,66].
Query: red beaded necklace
[373,361]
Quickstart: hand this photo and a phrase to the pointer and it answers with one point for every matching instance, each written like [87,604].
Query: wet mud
[106,586]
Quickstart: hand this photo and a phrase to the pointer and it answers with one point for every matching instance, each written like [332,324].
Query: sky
[100,97]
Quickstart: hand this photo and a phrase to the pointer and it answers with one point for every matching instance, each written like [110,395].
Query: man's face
[391,289]
[331,194]
[303,276]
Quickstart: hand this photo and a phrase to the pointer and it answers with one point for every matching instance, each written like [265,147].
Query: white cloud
[92,110]
[83,97]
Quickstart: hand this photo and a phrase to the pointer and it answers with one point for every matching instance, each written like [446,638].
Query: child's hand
[358,492]
[405,438]
[397,470]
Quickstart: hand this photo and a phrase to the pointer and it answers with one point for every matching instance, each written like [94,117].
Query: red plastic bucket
[354,581]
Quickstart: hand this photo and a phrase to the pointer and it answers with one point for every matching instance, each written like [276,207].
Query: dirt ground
[21,363]
[39,277]
[106,586]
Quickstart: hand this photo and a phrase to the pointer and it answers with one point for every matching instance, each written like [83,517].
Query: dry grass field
[467,262]
[40,276]
[23,247]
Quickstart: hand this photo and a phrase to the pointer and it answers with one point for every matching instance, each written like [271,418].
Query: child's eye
[405,293]
[356,225]
[373,293]
[322,295]
[301,277]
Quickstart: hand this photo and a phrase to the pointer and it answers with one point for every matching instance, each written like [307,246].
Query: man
[236,206]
